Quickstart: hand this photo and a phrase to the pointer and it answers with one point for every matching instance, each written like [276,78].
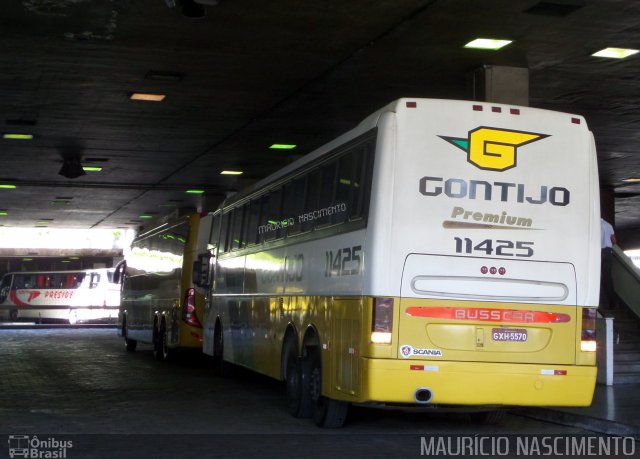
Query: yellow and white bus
[159,302]
[442,253]
[70,296]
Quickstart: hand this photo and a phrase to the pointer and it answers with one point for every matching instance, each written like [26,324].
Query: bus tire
[156,340]
[488,417]
[299,403]
[327,413]
[13,315]
[129,344]
[168,353]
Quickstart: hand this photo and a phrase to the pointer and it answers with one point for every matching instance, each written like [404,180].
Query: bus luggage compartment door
[493,310]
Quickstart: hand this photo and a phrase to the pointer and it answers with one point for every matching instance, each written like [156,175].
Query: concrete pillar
[504,85]
[607,204]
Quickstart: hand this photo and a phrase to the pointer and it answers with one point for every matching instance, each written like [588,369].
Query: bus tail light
[382,321]
[588,339]
[189,309]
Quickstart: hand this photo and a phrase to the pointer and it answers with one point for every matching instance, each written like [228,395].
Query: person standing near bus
[607,241]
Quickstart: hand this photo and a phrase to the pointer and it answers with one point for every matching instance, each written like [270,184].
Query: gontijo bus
[159,303]
[441,253]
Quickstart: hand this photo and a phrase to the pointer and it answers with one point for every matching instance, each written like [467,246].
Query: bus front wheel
[327,412]
[129,344]
[299,403]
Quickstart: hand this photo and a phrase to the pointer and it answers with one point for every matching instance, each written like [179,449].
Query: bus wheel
[129,344]
[327,413]
[167,352]
[488,417]
[158,342]
[13,315]
[299,403]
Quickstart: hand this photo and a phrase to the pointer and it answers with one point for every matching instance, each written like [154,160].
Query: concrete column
[607,204]
[504,85]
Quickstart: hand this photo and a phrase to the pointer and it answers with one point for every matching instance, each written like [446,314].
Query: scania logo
[406,351]
[493,149]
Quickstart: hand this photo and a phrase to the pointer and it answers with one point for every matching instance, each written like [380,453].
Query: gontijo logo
[493,149]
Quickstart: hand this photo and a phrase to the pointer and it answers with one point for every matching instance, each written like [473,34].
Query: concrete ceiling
[252,73]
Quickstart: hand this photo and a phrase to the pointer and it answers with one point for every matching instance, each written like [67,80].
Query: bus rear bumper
[473,383]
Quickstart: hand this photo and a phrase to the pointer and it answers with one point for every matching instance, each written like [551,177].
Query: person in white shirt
[607,241]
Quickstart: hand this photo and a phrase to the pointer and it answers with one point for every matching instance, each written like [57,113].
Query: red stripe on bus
[489,315]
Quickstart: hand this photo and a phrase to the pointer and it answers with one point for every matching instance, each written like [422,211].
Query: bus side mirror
[203,270]
[118,273]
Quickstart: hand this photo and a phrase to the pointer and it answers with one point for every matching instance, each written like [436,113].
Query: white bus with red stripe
[73,296]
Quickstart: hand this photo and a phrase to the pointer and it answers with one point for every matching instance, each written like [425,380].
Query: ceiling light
[163,76]
[145,216]
[7,186]
[195,191]
[27,259]
[231,173]
[4,212]
[91,168]
[16,136]
[615,53]
[632,180]
[147,97]
[282,146]
[487,43]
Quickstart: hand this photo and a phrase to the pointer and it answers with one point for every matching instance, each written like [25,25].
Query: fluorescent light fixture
[487,43]
[147,97]
[15,136]
[632,180]
[7,186]
[65,261]
[615,53]
[27,259]
[145,216]
[282,146]
[195,191]
[231,173]
[91,168]
[4,212]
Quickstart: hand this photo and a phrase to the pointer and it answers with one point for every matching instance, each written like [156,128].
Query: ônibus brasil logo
[493,149]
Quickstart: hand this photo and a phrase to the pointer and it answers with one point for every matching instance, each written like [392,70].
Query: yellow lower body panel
[476,383]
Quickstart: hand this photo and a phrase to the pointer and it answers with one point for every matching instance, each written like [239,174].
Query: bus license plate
[509,334]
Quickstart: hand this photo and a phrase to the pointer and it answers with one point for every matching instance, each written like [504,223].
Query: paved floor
[80,386]
[615,411]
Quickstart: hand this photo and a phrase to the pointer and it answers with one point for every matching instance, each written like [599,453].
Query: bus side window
[270,215]
[224,247]
[236,230]
[326,201]
[347,187]
[95,280]
[253,217]
[293,207]
[313,197]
